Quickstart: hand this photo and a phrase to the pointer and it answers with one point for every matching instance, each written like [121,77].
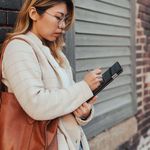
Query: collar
[35,38]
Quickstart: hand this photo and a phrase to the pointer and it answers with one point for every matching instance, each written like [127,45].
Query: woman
[40,76]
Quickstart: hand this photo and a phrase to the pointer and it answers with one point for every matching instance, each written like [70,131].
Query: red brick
[139,33]
[139,112]
[139,79]
[144,130]
[143,40]
[147,107]
[138,71]
[144,123]
[139,94]
[146,92]
[139,87]
[139,55]
[139,63]
[147,114]
[140,117]
[139,47]
[138,40]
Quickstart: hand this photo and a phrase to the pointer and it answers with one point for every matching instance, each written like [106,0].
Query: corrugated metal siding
[102,36]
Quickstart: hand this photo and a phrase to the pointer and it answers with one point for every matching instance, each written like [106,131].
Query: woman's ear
[33,14]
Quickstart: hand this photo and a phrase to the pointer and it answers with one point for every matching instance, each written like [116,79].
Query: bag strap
[1,57]
[2,86]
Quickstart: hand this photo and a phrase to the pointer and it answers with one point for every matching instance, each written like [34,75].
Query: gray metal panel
[109,104]
[103,29]
[106,121]
[114,92]
[96,17]
[133,56]
[70,48]
[101,40]
[121,3]
[111,115]
[104,33]
[102,7]
[127,70]
[87,64]
[101,52]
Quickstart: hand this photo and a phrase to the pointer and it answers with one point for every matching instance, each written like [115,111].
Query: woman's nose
[62,25]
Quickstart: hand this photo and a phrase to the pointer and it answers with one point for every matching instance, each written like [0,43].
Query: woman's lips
[57,34]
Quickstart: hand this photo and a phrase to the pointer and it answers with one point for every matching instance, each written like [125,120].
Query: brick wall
[143,66]
[141,140]
[8,12]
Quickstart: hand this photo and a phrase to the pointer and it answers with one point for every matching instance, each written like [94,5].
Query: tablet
[108,76]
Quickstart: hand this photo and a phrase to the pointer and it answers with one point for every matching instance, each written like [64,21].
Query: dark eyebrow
[60,13]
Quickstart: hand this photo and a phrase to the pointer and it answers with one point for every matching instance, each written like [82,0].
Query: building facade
[106,31]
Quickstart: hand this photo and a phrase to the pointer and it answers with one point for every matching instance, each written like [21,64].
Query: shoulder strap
[2,86]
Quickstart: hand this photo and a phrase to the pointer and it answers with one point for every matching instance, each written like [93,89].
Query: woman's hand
[84,110]
[93,78]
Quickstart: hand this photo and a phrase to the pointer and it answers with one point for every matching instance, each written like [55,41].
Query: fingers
[93,78]
[76,114]
[97,71]
[83,111]
[86,106]
[93,100]
[98,78]
[98,74]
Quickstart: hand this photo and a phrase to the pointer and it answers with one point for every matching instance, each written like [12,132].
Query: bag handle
[1,58]
[3,87]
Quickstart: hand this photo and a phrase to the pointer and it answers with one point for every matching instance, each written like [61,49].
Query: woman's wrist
[85,117]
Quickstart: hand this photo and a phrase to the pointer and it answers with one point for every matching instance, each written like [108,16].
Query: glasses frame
[59,19]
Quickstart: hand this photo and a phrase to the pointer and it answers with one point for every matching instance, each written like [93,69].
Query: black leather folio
[108,76]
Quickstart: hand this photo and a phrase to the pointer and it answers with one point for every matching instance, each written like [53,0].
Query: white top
[68,121]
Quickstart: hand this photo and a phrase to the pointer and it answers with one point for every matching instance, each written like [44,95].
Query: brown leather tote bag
[18,131]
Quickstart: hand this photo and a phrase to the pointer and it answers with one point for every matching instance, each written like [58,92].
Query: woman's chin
[52,39]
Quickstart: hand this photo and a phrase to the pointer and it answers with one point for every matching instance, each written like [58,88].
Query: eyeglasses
[59,19]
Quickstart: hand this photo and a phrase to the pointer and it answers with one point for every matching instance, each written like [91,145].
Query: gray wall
[104,34]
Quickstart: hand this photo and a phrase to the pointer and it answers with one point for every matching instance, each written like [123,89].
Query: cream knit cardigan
[32,74]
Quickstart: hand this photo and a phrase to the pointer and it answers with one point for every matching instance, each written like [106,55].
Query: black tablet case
[108,76]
